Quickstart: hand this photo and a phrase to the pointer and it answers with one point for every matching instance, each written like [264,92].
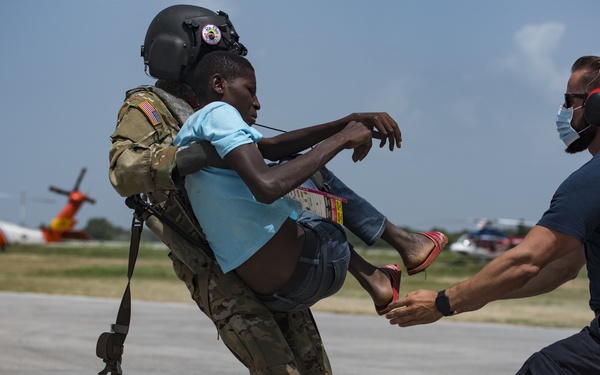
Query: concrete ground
[43,334]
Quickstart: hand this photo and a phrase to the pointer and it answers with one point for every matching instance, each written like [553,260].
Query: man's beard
[585,138]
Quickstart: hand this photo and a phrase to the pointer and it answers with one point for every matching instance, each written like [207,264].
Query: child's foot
[394,273]
[433,243]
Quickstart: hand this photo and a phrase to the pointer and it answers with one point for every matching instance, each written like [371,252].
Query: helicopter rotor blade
[515,222]
[54,189]
[78,182]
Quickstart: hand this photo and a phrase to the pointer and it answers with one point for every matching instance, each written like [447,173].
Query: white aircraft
[487,240]
[60,228]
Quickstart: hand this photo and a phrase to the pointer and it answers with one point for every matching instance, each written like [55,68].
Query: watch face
[443,304]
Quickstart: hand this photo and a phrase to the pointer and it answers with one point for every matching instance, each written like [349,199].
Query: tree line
[101,229]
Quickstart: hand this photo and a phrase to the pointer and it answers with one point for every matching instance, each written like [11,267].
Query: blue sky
[474,85]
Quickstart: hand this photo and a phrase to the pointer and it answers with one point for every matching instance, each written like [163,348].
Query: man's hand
[416,308]
[383,127]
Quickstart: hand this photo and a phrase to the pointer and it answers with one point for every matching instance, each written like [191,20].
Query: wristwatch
[442,304]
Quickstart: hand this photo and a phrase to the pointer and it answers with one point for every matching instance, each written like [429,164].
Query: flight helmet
[181,34]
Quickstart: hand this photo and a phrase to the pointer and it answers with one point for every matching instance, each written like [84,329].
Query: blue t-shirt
[235,224]
[575,210]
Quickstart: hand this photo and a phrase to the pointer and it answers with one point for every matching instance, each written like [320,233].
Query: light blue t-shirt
[235,224]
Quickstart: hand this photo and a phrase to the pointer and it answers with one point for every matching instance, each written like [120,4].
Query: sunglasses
[568,98]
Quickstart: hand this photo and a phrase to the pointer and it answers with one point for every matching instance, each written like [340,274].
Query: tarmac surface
[44,334]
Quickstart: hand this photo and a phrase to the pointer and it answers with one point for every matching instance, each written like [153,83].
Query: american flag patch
[151,112]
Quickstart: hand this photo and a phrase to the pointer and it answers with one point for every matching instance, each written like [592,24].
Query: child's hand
[383,126]
[358,137]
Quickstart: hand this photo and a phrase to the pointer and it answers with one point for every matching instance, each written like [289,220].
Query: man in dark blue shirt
[566,237]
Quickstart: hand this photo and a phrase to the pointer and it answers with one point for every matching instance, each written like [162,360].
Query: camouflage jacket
[142,157]
[144,161]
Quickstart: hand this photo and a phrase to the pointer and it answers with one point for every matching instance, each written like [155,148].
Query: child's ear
[217,84]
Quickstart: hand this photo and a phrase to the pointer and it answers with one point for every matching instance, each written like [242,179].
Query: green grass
[567,306]
[102,271]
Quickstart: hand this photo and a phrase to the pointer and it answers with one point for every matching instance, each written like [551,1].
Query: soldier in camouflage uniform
[142,160]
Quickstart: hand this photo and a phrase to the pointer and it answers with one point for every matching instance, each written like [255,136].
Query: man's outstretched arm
[503,276]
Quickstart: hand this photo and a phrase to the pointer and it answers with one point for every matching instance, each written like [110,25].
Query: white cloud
[535,44]
[538,41]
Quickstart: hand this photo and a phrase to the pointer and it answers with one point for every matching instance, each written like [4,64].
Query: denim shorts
[327,268]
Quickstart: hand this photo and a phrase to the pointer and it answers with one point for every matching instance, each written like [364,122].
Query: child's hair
[229,65]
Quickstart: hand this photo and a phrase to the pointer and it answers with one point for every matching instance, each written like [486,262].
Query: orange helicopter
[60,228]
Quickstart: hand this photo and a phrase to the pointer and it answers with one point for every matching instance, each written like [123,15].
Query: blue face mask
[563,125]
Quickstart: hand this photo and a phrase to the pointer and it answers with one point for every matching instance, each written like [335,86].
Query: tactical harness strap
[110,344]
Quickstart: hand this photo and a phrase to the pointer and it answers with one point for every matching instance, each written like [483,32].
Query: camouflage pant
[264,341]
